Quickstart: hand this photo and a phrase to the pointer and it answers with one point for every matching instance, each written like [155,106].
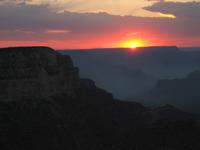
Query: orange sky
[98,24]
[103,42]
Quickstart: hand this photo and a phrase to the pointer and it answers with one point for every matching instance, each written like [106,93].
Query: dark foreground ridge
[44,105]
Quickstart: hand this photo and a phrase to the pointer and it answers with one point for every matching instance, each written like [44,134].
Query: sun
[133,44]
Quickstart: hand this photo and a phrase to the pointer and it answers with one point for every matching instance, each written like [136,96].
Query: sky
[63,24]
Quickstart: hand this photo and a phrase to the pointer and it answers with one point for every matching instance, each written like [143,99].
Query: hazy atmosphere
[99,24]
[99,75]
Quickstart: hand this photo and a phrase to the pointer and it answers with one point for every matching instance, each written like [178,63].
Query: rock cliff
[35,72]
[79,115]
[181,92]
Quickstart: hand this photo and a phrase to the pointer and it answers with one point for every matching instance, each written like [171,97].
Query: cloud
[117,7]
[41,23]
[189,10]
[114,7]
[57,31]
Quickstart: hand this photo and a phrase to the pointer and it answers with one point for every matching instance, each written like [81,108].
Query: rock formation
[79,115]
[182,92]
[35,72]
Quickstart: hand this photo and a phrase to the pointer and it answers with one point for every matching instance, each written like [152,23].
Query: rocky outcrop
[182,92]
[35,72]
[79,116]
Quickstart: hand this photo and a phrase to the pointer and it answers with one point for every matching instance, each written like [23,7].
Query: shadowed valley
[132,74]
[45,105]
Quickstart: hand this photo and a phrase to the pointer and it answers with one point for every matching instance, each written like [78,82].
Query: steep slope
[183,92]
[137,70]
[88,119]
[35,72]
[108,66]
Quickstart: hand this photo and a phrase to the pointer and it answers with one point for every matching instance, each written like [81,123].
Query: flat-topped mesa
[35,72]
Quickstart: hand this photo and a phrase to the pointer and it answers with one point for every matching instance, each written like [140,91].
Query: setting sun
[132,44]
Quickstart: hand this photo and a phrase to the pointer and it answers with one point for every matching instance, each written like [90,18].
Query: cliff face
[181,92]
[79,115]
[35,72]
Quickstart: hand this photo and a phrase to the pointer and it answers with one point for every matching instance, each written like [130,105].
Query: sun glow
[167,15]
[132,44]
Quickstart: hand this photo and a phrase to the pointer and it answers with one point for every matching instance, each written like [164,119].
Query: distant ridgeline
[44,105]
[35,72]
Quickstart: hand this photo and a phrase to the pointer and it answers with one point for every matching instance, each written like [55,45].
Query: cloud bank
[40,24]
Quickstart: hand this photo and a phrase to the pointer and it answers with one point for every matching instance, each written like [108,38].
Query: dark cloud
[31,22]
[189,10]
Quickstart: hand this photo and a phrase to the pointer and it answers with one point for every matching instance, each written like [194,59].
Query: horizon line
[127,47]
[60,49]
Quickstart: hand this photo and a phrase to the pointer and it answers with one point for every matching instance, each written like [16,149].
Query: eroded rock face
[35,72]
[88,118]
